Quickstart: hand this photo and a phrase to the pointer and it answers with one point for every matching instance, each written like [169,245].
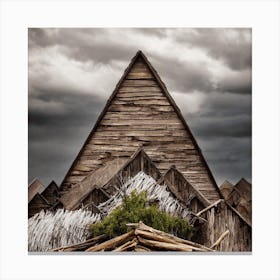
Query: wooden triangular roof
[181,188]
[37,203]
[109,176]
[51,193]
[244,188]
[141,95]
[226,189]
[34,187]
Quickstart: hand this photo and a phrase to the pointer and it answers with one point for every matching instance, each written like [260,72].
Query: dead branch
[220,239]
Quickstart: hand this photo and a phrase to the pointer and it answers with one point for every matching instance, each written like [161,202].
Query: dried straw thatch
[48,230]
[142,182]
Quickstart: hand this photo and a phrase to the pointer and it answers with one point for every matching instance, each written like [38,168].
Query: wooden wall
[240,198]
[221,218]
[141,114]
[183,190]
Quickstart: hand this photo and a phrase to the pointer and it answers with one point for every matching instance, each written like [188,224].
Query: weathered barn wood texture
[141,111]
[96,179]
[102,183]
[93,199]
[240,198]
[245,189]
[220,218]
[37,203]
[51,193]
[35,187]
[226,189]
[183,190]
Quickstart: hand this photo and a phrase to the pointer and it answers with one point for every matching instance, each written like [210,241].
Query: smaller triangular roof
[115,169]
[226,183]
[34,187]
[40,197]
[244,188]
[182,187]
[51,192]
[96,179]
[226,189]
[36,204]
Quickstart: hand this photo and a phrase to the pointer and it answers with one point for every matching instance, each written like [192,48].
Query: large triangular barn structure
[141,112]
[142,141]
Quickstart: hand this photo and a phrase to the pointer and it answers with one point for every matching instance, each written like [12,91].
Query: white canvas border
[261,16]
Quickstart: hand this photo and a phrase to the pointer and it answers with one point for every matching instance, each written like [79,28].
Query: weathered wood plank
[123,108]
[140,133]
[139,74]
[153,140]
[142,102]
[139,83]
[112,243]
[138,98]
[142,116]
[138,92]
[137,122]
[160,127]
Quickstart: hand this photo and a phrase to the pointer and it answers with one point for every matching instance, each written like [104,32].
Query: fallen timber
[141,238]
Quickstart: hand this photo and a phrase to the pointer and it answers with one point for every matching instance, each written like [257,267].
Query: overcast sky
[72,72]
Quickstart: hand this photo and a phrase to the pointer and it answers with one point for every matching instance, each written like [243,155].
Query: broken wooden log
[220,239]
[141,238]
[112,243]
[164,246]
[209,207]
[127,245]
[83,245]
[142,226]
[141,248]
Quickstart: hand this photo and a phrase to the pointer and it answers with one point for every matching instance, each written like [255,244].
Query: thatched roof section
[35,187]
[141,238]
[49,229]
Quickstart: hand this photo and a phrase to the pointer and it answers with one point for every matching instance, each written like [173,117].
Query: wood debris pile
[141,238]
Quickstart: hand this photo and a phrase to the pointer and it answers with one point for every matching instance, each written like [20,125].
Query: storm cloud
[72,72]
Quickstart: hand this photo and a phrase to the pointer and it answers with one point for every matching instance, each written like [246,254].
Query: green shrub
[134,209]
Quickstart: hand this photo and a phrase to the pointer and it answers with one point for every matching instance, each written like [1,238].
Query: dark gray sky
[72,72]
